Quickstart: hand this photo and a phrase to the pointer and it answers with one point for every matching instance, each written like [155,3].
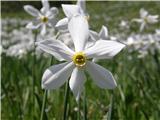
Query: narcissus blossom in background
[43,18]
[78,60]
[145,18]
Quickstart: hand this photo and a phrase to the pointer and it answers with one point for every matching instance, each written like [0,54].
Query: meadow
[136,96]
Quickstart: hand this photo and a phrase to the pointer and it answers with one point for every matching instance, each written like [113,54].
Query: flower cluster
[86,45]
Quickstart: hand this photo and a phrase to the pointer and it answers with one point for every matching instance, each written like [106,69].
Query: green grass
[135,98]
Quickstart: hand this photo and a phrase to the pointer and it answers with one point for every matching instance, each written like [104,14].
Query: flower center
[145,19]
[44,19]
[79,59]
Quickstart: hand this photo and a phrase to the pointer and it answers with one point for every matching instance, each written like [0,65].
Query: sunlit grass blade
[84,106]
[66,101]
[43,105]
[39,101]
[109,114]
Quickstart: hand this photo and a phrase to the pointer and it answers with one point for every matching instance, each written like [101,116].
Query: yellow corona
[79,59]
[44,19]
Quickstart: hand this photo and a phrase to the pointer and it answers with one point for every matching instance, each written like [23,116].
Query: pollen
[44,19]
[79,59]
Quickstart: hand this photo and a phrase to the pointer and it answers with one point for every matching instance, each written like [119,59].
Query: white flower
[78,61]
[44,17]
[70,11]
[145,19]
[157,31]
[124,24]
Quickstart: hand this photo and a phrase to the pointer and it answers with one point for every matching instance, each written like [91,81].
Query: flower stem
[109,116]
[33,72]
[43,104]
[79,112]
[66,101]
[44,98]
[84,106]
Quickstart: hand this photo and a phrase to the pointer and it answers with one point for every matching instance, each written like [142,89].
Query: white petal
[152,19]
[82,5]
[31,10]
[70,10]
[56,75]
[142,26]
[45,4]
[77,81]
[78,28]
[143,13]
[52,23]
[137,20]
[94,35]
[104,49]
[57,49]
[43,29]
[33,25]
[52,13]
[103,33]
[54,10]
[101,76]
[62,24]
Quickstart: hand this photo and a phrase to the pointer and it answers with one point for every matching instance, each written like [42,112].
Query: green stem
[84,106]
[109,116]
[44,98]
[33,72]
[79,112]
[43,104]
[66,101]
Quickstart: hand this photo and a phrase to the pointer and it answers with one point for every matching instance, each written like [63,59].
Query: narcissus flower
[145,19]
[78,60]
[45,17]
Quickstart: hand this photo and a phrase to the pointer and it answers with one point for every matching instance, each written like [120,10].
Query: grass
[135,98]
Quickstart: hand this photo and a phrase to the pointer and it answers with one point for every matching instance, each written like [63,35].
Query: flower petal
[31,10]
[52,22]
[101,76]
[77,81]
[57,49]
[56,75]
[43,30]
[78,28]
[82,5]
[103,33]
[52,13]
[34,24]
[94,35]
[152,19]
[54,10]
[143,13]
[70,10]
[143,24]
[104,49]
[62,24]
[137,20]
[45,4]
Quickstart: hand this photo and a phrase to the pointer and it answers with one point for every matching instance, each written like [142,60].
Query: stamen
[79,59]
